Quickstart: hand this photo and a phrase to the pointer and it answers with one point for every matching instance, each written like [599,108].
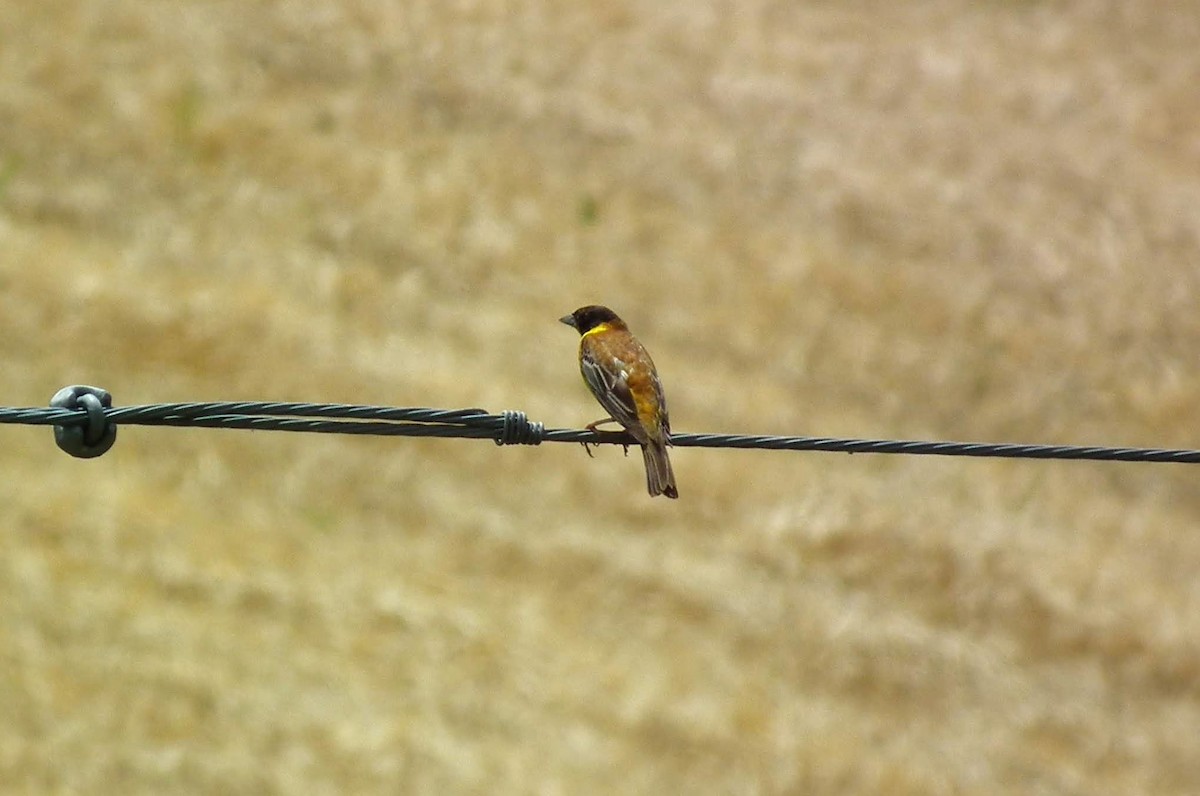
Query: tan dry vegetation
[941,219]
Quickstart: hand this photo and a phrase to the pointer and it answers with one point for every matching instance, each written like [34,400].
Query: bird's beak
[569,320]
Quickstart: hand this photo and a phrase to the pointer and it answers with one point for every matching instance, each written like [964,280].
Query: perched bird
[619,372]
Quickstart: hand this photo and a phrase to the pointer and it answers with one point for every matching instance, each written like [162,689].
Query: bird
[620,373]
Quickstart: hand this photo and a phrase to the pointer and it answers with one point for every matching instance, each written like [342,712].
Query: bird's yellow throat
[602,327]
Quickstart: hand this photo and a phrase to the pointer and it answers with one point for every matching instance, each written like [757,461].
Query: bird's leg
[593,426]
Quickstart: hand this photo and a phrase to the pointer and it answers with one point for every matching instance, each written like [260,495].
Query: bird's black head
[587,318]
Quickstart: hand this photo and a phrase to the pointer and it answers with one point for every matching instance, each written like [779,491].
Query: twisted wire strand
[512,428]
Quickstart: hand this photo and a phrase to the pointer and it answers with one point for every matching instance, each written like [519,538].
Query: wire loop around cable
[517,430]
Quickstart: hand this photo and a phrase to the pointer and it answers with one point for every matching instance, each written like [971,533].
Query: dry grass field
[922,220]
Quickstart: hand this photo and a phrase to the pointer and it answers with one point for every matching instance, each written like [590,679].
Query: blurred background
[943,219]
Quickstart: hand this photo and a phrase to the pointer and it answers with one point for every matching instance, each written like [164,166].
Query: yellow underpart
[646,401]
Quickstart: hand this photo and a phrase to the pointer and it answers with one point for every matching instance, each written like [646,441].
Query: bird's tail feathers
[660,479]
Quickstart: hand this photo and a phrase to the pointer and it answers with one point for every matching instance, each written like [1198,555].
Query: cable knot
[518,430]
[97,434]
